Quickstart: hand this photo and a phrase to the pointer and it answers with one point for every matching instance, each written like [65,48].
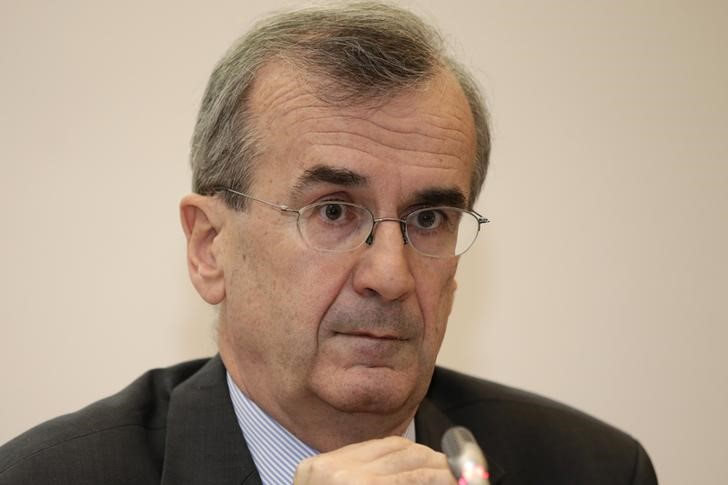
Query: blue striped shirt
[275,451]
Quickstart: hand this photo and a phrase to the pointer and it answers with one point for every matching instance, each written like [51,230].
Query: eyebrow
[433,196]
[330,175]
[438,196]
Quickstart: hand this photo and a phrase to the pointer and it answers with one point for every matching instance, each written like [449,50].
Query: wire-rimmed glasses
[337,226]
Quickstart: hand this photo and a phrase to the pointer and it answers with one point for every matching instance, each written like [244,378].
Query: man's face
[357,331]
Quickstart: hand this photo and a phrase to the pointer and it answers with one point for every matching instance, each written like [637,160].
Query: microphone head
[464,456]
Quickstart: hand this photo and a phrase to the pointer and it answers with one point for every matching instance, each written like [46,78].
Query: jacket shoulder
[450,389]
[535,437]
[122,434]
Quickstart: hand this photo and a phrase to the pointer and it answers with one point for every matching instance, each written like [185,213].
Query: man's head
[359,52]
[346,105]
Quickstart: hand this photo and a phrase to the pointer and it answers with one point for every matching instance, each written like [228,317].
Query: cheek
[436,292]
[317,282]
[288,284]
[255,274]
[448,292]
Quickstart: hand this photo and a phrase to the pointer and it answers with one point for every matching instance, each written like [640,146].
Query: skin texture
[338,347]
[388,460]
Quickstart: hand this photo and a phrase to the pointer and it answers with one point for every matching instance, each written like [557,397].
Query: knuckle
[396,442]
[434,477]
[316,467]
[320,466]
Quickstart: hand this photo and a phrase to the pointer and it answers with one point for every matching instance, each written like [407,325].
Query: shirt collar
[276,452]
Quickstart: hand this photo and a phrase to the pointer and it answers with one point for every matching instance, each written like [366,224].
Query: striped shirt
[275,451]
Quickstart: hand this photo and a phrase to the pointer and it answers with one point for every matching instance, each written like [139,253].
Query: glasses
[335,226]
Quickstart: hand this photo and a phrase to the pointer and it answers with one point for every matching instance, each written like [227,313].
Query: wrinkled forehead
[302,121]
[279,81]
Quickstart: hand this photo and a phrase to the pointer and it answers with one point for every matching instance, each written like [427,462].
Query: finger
[338,464]
[412,457]
[375,461]
[422,476]
[367,451]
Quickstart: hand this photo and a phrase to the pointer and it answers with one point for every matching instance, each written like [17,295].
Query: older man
[337,157]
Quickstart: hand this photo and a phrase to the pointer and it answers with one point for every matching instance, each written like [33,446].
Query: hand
[389,460]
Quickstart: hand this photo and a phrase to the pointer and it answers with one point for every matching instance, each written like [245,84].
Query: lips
[368,324]
[371,334]
[367,350]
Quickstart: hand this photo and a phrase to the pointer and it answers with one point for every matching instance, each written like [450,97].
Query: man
[336,160]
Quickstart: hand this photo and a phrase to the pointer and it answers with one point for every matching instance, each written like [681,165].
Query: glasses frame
[375,220]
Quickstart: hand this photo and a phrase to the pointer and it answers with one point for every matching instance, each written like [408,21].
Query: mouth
[368,334]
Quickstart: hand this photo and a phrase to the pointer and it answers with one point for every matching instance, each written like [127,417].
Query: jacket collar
[204,444]
[431,423]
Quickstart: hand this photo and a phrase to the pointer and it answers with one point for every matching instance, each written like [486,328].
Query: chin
[372,391]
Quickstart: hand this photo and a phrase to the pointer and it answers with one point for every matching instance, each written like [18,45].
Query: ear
[201,221]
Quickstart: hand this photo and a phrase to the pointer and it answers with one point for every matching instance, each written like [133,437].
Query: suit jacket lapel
[204,442]
[431,423]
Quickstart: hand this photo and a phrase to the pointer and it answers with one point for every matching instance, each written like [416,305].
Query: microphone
[464,456]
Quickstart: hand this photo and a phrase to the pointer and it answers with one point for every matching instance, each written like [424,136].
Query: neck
[332,430]
[319,424]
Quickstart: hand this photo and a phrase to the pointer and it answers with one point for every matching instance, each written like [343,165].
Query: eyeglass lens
[434,231]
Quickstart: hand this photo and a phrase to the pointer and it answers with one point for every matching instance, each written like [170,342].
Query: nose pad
[385,271]
[402,226]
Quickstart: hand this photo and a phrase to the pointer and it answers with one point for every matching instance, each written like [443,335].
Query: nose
[402,227]
[384,268]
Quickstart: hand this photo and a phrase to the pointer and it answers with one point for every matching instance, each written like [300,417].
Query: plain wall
[601,281]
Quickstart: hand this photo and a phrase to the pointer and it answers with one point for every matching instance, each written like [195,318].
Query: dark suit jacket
[177,426]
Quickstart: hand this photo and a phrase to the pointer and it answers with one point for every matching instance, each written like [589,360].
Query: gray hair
[365,50]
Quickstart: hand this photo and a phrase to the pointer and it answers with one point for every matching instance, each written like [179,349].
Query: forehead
[421,136]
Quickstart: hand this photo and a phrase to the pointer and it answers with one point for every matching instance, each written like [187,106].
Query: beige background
[601,282]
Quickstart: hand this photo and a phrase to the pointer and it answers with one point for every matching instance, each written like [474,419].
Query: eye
[333,212]
[427,219]
[337,214]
